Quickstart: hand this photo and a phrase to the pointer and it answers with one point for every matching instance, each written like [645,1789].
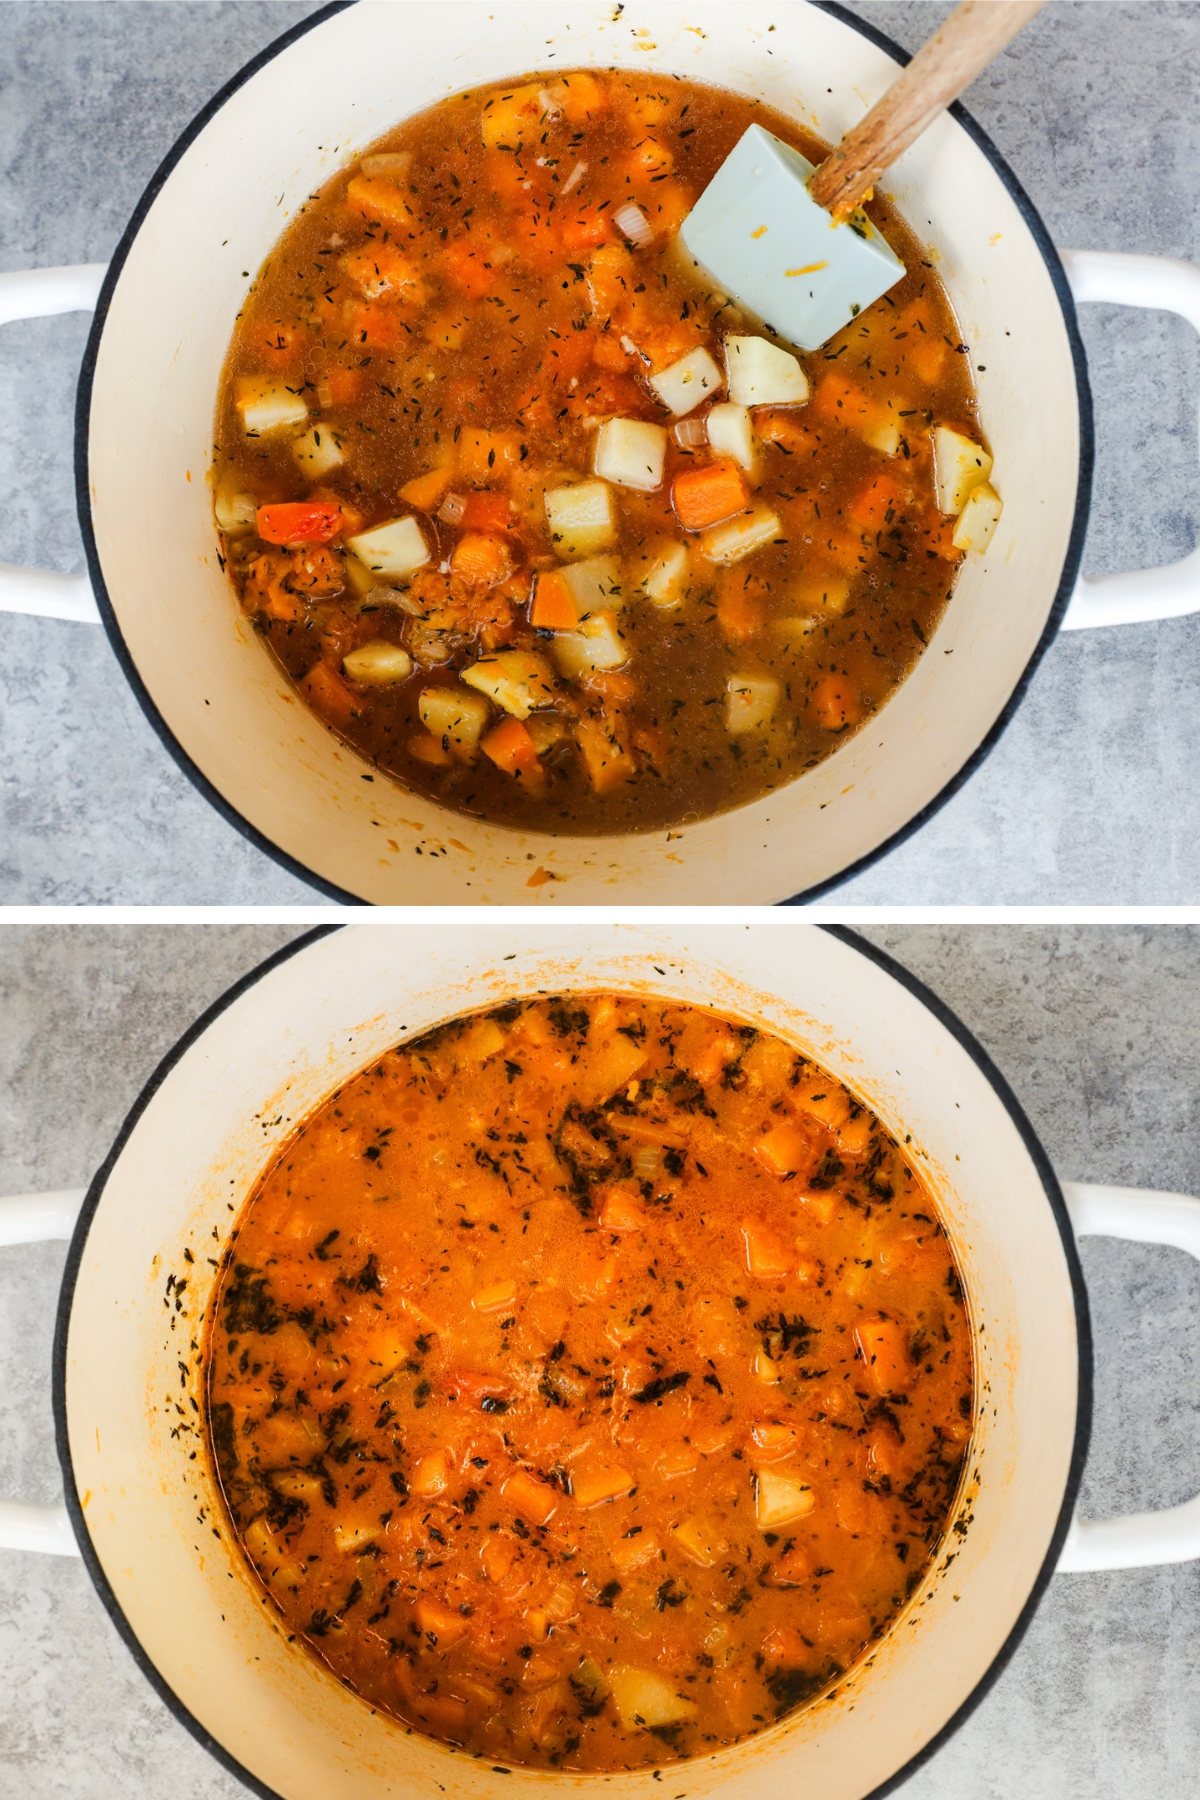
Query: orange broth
[589,1382]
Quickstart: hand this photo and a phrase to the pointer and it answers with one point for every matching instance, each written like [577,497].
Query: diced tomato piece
[480,561]
[704,496]
[512,750]
[622,1211]
[299,522]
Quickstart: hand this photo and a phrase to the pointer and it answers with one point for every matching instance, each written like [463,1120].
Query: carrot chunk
[299,522]
[884,1346]
[425,491]
[487,512]
[512,750]
[877,503]
[553,608]
[529,1498]
[836,703]
[328,694]
[704,496]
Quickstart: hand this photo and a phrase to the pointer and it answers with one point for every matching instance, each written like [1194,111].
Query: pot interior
[162,1550]
[214,685]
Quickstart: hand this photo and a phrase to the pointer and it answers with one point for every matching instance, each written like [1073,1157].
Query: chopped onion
[631,349]
[549,104]
[645,1162]
[689,434]
[398,597]
[388,162]
[633,223]
[575,177]
[451,511]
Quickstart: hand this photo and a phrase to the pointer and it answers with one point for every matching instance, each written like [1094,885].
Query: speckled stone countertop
[1092,794]
[1097,1032]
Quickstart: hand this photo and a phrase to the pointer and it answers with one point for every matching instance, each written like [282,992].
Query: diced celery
[378,663]
[455,716]
[761,374]
[750,702]
[268,405]
[978,519]
[515,679]
[395,548]
[597,645]
[695,377]
[958,466]
[582,518]
[318,451]
[730,432]
[631,453]
[740,536]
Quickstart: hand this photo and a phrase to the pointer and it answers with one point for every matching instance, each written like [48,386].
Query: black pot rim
[952,1023]
[252,833]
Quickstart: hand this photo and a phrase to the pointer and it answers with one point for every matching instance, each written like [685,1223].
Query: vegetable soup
[540,523]
[589,1382]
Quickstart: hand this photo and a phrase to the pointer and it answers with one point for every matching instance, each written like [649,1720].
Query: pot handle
[33,1219]
[35,294]
[1172,590]
[1171,1535]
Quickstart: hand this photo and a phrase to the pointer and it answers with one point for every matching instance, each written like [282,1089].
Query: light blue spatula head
[768,245]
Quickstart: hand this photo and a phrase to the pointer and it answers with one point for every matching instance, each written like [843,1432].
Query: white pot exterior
[158,1545]
[158,349]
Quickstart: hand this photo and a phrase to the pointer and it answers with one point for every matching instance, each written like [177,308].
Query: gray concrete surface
[1097,1031]
[1092,795]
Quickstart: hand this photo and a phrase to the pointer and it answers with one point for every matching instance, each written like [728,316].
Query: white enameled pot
[142,1503]
[165,310]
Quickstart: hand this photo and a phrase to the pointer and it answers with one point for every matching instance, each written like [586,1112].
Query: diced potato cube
[695,377]
[530,1498]
[351,1537]
[783,1150]
[394,164]
[318,452]
[267,405]
[643,1698]
[359,579]
[515,679]
[780,1498]
[235,512]
[582,518]
[884,437]
[750,702]
[608,760]
[958,466]
[761,374]
[740,536]
[512,118]
[594,585]
[666,579]
[699,1541]
[496,1296]
[595,646]
[766,1258]
[631,453]
[592,1487]
[731,432]
[397,547]
[378,664]
[457,718]
[978,519]
[826,594]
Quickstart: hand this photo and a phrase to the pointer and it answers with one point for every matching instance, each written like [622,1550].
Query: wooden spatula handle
[964,45]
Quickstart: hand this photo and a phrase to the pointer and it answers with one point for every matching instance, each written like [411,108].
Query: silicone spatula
[788,241]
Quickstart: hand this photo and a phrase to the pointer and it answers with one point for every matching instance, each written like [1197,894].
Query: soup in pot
[539,522]
[589,1382]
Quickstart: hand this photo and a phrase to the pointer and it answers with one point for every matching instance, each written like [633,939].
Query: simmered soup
[540,523]
[589,1382]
